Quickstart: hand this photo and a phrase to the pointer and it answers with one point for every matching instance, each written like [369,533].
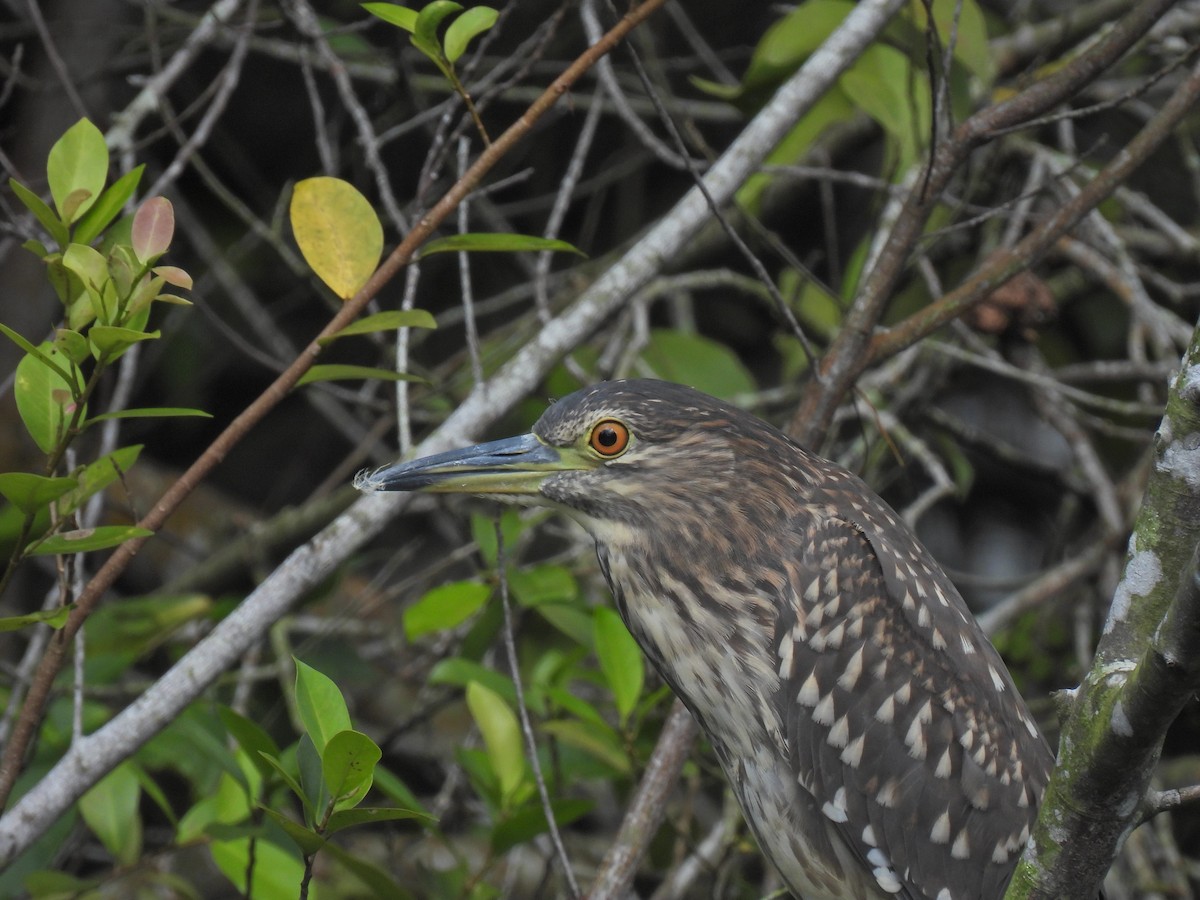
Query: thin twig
[51,663]
[514,668]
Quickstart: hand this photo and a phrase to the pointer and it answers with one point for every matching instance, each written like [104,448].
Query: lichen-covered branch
[1147,666]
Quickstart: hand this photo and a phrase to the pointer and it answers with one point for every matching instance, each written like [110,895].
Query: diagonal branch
[51,663]
[1004,263]
[848,357]
[94,755]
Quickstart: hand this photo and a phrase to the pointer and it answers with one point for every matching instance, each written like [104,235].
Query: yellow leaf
[338,233]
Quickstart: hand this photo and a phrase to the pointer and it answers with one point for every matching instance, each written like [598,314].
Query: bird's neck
[680,623]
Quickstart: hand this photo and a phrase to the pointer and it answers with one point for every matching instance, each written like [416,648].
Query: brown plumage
[871,732]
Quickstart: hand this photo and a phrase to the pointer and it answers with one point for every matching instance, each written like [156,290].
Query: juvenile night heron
[871,732]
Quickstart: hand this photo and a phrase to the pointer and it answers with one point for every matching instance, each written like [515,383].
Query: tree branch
[848,356]
[1147,667]
[39,691]
[93,756]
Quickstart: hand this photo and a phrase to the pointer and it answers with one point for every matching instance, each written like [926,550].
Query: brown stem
[648,808]
[52,661]
[1004,263]
[849,355]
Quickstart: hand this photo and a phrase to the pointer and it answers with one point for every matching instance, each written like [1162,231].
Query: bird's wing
[901,718]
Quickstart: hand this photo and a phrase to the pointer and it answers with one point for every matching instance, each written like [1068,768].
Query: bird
[871,733]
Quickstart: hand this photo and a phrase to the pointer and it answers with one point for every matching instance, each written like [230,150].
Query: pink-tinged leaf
[175,276]
[153,228]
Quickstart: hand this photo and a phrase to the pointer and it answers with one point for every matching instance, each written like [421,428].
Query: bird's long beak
[516,465]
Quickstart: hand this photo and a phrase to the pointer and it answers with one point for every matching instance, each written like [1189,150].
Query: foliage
[445,51]
[106,298]
[1015,437]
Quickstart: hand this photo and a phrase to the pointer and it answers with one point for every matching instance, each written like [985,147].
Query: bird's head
[636,455]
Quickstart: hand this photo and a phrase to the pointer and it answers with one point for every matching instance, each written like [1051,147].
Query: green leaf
[377,881]
[82,540]
[36,247]
[337,372]
[273,762]
[461,672]
[488,242]
[444,607]
[108,206]
[44,392]
[76,169]
[819,311]
[47,885]
[384,321]
[251,737]
[425,36]
[501,735]
[483,530]
[394,14]
[111,812]
[226,803]
[308,764]
[579,708]
[528,822]
[153,412]
[338,232]
[884,84]
[44,353]
[320,704]
[790,41]
[970,27]
[348,818]
[109,341]
[348,765]
[543,584]
[87,263]
[153,228]
[72,344]
[97,476]
[55,618]
[466,28]
[137,625]
[572,621]
[620,660]
[42,212]
[29,493]
[275,872]
[304,837]
[697,361]
[602,745]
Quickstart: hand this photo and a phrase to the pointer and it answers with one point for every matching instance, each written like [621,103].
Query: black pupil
[607,437]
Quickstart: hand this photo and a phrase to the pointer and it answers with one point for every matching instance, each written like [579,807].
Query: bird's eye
[609,438]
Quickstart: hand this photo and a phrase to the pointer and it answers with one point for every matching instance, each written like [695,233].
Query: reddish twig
[39,690]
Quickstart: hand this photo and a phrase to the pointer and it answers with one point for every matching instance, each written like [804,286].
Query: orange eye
[609,438]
